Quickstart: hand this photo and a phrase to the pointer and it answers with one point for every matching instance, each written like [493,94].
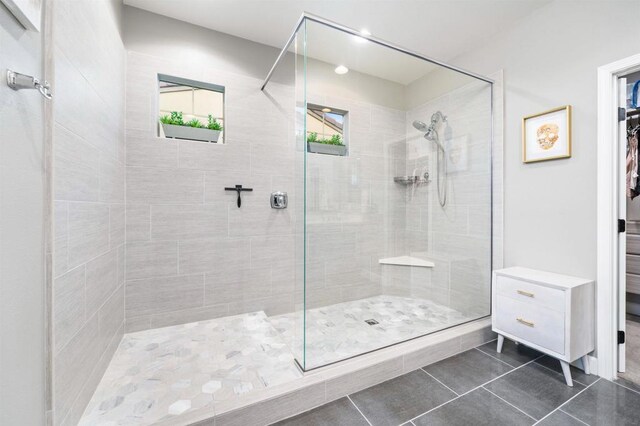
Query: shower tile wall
[192,254]
[457,238]
[88,172]
[354,209]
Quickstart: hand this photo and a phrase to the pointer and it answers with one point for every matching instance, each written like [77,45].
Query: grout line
[615,382]
[499,397]
[573,417]
[354,404]
[567,401]
[432,376]
[562,374]
[477,387]
[498,359]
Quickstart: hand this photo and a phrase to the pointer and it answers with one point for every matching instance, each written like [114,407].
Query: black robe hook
[238,189]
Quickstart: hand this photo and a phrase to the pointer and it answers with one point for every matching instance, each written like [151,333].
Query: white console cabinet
[549,312]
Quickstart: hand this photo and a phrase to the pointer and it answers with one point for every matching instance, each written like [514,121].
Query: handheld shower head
[430,132]
[420,126]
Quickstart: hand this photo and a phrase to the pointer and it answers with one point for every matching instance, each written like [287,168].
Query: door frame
[608,172]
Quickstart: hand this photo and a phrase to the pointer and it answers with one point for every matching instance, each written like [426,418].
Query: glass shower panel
[286,92]
[397,214]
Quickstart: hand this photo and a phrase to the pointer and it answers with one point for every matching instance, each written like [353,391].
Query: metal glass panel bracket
[17,81]
[335,25]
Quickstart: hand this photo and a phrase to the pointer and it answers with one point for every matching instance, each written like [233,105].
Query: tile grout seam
[434,378]
[473,389]
[573,417]
[499,397]
[496,358]
[560,373]
[559,408]
[361,413]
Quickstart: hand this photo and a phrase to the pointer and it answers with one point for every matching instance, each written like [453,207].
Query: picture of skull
[547,135]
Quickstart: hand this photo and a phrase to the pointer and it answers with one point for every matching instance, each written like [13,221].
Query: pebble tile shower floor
[161,373]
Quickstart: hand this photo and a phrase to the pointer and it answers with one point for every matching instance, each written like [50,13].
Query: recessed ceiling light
[341,69]
[364,32]
[326,109]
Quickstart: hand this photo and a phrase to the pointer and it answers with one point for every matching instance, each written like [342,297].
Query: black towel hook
[238,189]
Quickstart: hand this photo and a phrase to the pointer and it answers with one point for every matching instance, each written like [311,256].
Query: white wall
[550,59]
[22,207]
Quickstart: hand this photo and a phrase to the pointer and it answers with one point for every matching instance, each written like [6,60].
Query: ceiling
[436,28]
[441,29]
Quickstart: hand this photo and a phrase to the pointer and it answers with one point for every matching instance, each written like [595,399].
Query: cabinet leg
[500,343]
[585,364]
[566,370]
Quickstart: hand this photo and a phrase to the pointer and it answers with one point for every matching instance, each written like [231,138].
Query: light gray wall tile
[164,186]
[357,380]
[138,222]
[116,225]
[173,222]
[61,238]
[76,172]
[273,305]
[73,364]
[133,324]
[230,157]
[111,316]
[275,409]
[88,231]
[102,280]
[199,256]
[150,151]
[151,259]
[434,353]
[69,302]
[111,180]
[233,284]
[164,294]
[189,315]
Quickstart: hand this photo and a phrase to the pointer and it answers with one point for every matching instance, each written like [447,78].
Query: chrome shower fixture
[431,134]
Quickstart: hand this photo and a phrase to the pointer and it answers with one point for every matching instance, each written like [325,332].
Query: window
[326,130]
[190,110]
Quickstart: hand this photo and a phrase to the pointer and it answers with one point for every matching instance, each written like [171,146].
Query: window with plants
[326,130]
[190,110]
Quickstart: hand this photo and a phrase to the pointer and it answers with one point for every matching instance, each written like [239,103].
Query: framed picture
[27,12]
[547,135]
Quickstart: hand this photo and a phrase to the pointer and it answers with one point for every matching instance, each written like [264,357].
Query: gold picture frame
[547,135]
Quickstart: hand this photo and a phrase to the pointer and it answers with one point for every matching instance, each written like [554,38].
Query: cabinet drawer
[530,323]
[536,294]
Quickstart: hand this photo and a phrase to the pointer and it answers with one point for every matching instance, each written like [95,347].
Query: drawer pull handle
[526,293]
[525,322]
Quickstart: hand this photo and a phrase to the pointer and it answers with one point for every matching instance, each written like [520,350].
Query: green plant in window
[213,124]
[175,118]
[312,137]
[194,123]
[335,140]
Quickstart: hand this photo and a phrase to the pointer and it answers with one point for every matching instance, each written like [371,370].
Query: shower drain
[371,321]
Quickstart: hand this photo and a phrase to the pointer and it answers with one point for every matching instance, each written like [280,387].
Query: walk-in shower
[392,227]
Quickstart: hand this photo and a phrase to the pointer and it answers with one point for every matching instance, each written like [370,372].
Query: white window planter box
[190,133]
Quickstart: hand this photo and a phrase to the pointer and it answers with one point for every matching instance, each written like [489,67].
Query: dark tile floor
[478,387]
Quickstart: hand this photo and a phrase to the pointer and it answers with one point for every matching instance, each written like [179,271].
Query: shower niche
[393,229]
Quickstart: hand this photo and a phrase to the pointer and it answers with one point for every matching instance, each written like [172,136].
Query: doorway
[618,226]
[629,283]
